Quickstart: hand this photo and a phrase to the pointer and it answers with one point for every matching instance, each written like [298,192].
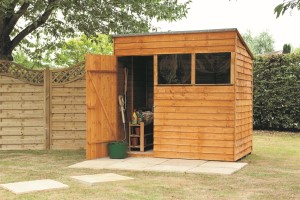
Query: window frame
[193,70]
[157,68]
[231,70]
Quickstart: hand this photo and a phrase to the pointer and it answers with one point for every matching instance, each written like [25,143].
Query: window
[174,69]
[213,68]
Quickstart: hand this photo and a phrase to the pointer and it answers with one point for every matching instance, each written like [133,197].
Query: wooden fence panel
[42,109]
[68,125]
[21,115]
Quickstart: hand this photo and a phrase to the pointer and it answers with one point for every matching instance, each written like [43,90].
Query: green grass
[273,173]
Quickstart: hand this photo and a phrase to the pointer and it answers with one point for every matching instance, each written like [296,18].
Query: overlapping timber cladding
[198,84]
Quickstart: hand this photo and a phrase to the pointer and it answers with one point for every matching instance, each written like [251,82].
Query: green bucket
[117,150]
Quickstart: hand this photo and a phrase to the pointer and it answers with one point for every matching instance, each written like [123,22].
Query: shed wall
[194,122]
[175,43]
[244,101]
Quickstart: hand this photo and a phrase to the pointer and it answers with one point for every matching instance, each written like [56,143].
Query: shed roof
[187,32]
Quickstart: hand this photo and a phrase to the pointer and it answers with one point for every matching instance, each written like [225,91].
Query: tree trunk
[5,49]
[6,57]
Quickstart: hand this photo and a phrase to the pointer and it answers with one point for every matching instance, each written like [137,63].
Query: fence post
[47,83]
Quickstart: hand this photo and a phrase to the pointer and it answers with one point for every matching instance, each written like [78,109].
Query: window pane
[174,69]
[212,68]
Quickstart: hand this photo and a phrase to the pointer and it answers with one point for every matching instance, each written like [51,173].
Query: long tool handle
[121,103]
[125,86]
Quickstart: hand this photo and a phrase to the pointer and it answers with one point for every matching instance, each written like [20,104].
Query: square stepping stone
[33,186]
[100,178]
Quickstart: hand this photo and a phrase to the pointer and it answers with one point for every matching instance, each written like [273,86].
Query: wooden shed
[198,86]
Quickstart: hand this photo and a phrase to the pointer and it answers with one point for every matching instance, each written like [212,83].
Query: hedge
[277,92]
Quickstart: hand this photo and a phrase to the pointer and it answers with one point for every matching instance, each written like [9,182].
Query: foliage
[21,58]
[260,44]
[296,50]
[286,48]
[286,5]
[66,53]
[35,61]
[73,51]
[51,21]
[276,92]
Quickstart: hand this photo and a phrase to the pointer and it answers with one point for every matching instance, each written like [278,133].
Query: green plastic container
[117,150]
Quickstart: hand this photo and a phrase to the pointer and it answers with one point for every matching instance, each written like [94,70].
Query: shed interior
[139,96]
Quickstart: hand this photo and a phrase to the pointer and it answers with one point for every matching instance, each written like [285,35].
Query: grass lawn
[273,173]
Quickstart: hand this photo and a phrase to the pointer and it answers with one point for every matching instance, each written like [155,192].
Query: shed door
[101,104]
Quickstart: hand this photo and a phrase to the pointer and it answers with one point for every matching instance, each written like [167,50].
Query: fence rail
[42,109]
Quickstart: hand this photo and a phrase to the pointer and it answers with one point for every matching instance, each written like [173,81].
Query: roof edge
[175,32]
[245,44]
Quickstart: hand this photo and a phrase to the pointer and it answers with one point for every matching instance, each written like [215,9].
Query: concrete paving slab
[129,168]
[162,165]
[100,178]
[234,165]
[181,162]
[168,168]
[138,166]
[135,164]
[101,163]
[153,161]
[212,170]
[33,186]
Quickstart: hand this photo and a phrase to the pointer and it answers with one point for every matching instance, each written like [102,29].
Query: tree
[22,21]
[249,39]
[260,44]
[66,53]
[286,48]
[296,50]
[74,50]
[286,5]
[21,58]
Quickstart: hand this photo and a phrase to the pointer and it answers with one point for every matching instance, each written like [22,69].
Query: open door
[101,104]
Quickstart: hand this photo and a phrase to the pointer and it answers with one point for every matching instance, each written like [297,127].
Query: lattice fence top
[36,77]
[69,74]
[17,71]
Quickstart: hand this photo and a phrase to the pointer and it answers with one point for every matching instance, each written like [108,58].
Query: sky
[254,15]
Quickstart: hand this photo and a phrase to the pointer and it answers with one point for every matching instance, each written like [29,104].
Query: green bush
[277,92]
